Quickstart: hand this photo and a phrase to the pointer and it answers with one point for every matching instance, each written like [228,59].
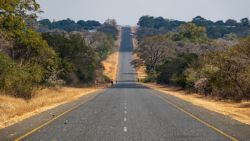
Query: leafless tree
[154,50]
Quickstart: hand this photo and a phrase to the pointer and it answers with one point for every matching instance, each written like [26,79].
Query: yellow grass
[141,70]
[112,62]
[13,110]
[111,65]
[238,111]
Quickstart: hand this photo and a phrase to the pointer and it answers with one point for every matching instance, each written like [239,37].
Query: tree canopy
[30,60]
[218,29]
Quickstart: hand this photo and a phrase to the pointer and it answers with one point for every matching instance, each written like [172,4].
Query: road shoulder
[239,111]
[214,120]
[34,122]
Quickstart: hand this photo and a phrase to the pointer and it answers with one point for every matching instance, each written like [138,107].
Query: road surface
[128,112]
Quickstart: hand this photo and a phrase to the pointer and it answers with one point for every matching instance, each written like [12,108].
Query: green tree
[79,62]
[193,33]
[31,57]
[245,22]
[172,71]
[231,22]
[146,21]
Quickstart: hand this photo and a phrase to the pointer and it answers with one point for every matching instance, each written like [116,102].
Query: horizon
[55,20]
[117,9]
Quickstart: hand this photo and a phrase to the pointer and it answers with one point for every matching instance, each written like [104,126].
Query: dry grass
[238,111]
[110,65]
[13,110]
[112,62]
[141,70]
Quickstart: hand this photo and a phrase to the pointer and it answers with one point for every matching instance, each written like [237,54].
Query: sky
[128,12]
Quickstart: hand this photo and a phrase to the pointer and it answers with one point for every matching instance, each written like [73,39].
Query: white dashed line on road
[125,129]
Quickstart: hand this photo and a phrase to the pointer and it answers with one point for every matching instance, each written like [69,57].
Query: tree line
[30,60]
[69,25]
[189,58]
[150,25]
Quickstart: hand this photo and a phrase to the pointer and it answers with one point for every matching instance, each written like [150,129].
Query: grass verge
[239,111]
[111,64]
[13,110]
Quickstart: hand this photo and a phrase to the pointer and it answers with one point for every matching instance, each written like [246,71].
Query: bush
[78,61]
[19,81]
[225,74]
[149,78]
[173,70]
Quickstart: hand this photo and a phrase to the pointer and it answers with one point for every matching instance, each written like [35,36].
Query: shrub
[225,74]
[19,81]
[173,70]
[149,78]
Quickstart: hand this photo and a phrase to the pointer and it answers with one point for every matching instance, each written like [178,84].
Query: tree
[102,43]
[194,33]
[21,8]
[231,22]
[245,22]
[17,80]
[67,25]
[88,25]
[146,21]
[111,22]
[79,61]
[81,23]
[31,57]
[110,28]
[160,22]
[46,23]
[200,21]
[219,23]
[172,71]
[154,50]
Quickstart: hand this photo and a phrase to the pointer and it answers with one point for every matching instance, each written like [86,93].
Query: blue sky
[127,12]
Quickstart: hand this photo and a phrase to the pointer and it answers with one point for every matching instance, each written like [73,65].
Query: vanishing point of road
[128,111]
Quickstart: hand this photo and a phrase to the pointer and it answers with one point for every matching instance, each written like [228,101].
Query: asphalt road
[128,112]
